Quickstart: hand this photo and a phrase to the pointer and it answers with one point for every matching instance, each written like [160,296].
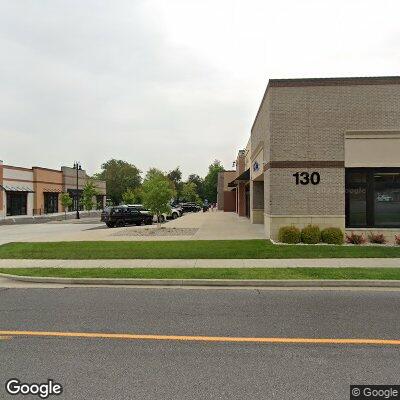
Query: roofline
[347,81]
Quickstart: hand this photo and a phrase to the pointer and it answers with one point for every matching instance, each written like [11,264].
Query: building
[326,152]
[36,191]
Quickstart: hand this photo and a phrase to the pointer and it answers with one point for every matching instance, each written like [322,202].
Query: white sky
[168,82]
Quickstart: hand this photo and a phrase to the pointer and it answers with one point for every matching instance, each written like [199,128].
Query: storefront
[17,203]
[325,152]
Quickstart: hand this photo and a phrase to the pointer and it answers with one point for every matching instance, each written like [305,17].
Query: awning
[244,177]
[16,188]
[52,190]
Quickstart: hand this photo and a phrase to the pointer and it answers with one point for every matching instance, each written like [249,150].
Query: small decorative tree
[88,192]
[66,202]
[157,194]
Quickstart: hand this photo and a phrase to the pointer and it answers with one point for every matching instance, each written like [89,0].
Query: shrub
[397,239]
[355,238]
[289,234]
[311,234]
[377,238]
[332,235]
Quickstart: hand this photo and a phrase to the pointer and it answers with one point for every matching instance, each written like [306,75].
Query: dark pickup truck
[125,215]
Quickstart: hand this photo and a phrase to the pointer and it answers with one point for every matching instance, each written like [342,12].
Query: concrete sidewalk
[206,263]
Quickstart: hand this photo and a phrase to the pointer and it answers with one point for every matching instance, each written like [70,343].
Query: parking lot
[196,226]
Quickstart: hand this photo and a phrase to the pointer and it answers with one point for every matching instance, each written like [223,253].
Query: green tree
[175,176]
[211,181]
[119,176]
[157,194]
[132,196]
[199,182]
[189,193]
[89,191]
[66,202]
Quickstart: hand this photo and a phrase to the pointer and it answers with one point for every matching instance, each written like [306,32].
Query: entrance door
[50,203]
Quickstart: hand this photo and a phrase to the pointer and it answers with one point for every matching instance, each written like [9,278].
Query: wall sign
[304,178]
[256,166]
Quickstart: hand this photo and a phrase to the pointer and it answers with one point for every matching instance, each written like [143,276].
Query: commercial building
[323,151]
[36,191]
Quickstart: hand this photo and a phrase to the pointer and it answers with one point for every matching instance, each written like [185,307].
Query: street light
[77,167]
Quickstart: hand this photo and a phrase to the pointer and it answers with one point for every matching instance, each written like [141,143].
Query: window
[373,197]
[50,203]
[17,203]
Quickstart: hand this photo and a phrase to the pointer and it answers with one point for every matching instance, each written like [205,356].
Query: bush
[355,238]
[377,238]
[289,234]
[311,234]
[397,239]
[332,235]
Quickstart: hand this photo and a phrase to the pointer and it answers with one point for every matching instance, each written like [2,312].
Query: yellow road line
[5,337]
[227,339]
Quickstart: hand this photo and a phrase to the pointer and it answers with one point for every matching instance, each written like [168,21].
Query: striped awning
[51,190]
[16,188]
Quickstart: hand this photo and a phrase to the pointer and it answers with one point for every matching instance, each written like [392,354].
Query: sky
[168,83]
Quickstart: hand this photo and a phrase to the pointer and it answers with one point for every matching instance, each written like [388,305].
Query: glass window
[357,198]
[387,199]
[17,203]
[357,177]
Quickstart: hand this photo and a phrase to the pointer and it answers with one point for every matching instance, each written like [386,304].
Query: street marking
[5,337]
[225,339]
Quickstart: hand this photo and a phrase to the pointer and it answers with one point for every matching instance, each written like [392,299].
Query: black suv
[124,215]
[190,207]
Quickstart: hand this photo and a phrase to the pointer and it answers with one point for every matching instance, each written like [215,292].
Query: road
[132,368]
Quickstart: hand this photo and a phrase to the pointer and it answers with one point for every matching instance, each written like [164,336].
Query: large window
[17,203]
[373,197]
[73,194]
[50,203]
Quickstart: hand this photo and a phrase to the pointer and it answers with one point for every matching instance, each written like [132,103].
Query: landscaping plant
[397,239]
[289,234]
[377,238]
[355,238]
[66,202]
[311,234]
[332,235]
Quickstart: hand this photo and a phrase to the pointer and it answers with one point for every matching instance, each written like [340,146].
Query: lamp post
[77,167]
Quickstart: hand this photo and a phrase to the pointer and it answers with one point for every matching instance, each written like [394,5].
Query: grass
[210,273]
[187,249]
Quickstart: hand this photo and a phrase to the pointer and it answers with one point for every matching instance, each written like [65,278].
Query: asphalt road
[92,368]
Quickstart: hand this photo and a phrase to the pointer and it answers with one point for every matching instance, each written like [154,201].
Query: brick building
[323,151]
[36,191]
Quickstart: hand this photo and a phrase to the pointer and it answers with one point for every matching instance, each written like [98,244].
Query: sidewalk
[204,263]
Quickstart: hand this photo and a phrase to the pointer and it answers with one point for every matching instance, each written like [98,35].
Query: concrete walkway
[206,263]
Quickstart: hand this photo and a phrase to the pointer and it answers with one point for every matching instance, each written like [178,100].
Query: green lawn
[210,273]
[188,249]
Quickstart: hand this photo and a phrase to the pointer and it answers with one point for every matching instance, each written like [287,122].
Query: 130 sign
[304,178]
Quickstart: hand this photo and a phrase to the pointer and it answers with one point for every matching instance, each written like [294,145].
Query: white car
[174,214]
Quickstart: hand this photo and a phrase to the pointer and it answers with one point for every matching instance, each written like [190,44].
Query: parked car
[190,207]
[125,215]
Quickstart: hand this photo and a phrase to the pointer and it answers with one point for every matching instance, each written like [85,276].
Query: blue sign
[256,166]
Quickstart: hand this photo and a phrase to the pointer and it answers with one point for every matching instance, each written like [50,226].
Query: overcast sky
[168,82]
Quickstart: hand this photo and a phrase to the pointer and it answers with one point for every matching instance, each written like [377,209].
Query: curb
[210,282]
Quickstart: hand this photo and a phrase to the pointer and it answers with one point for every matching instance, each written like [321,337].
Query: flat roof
[344,81]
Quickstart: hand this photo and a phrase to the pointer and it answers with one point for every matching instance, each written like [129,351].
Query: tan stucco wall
[46,180]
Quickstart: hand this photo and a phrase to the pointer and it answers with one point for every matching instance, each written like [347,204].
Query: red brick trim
[17,168]
[303,164]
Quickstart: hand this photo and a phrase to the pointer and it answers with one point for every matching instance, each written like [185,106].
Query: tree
[119,176]
[175,176]
[132,196]
[189,193]
[88,192]
[199,182]
[157,194]
[211,181]
[66,202]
